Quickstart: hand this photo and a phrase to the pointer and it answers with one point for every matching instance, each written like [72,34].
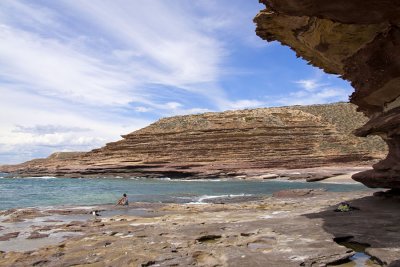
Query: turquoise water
[40,192]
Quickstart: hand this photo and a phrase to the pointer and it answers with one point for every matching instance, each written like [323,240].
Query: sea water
[50,191]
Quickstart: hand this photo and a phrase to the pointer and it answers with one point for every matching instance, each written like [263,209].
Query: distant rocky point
[227,144]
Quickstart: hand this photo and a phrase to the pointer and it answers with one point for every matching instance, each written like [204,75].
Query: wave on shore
[203,199]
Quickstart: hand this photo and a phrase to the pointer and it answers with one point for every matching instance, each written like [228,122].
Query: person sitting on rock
[123,201]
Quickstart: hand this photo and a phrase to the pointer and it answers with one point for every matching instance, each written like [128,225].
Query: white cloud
[133,44]
[142,109]
[55,139]
[48,129]
[228,18]
[195,111]
[316,90]
[70,65]
[28,16]
[55,77]
[323,95]
[32,125]
[245,103]
[310,84]
[173,105]
[52,68]
[171,49]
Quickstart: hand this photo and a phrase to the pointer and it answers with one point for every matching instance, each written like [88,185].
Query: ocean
[50,191]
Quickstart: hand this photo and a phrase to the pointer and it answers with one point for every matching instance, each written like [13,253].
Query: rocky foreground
[293,228]
[221,145]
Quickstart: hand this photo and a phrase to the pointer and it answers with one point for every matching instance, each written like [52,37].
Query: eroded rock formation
[227,144]
[359,40]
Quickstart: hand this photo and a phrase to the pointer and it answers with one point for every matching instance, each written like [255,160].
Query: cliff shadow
[373,225]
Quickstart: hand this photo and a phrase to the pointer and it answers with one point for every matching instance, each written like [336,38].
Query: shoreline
[311,173]
[166,191]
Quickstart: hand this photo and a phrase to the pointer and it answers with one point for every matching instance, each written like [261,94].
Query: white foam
[199,180]
[266,217]
[286,180]
[200,200]
[42,177]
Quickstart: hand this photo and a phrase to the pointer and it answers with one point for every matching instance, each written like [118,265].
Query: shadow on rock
[374,225]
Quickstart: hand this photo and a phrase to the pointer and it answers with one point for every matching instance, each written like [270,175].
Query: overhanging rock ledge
[360,41]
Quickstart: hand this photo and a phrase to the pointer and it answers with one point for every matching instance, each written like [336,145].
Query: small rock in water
[37,235]
[9,236]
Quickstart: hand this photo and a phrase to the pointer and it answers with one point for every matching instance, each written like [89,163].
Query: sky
[75,75]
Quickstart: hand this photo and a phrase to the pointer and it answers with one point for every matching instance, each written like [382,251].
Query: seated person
[123,201]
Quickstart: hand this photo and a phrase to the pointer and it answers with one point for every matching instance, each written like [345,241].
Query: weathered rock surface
[294,193]
[268,232]
[359,40]
[227,144]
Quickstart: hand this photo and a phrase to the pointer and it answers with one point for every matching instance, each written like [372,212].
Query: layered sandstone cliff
[359,40]
[223,144]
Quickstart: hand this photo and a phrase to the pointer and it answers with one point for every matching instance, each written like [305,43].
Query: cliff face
[223,144]
[359,40]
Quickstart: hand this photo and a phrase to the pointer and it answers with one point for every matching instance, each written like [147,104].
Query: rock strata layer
[359,40]
[227,144]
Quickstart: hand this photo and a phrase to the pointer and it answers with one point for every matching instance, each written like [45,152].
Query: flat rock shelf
[302,230]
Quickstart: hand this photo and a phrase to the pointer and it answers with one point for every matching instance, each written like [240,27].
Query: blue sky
[75,75]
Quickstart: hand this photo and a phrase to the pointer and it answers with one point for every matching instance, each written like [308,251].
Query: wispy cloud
[245,103]
[315,90]
[48,129]
[78,74]
[51,68]
[166,45]
[131,45]
[310,84]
